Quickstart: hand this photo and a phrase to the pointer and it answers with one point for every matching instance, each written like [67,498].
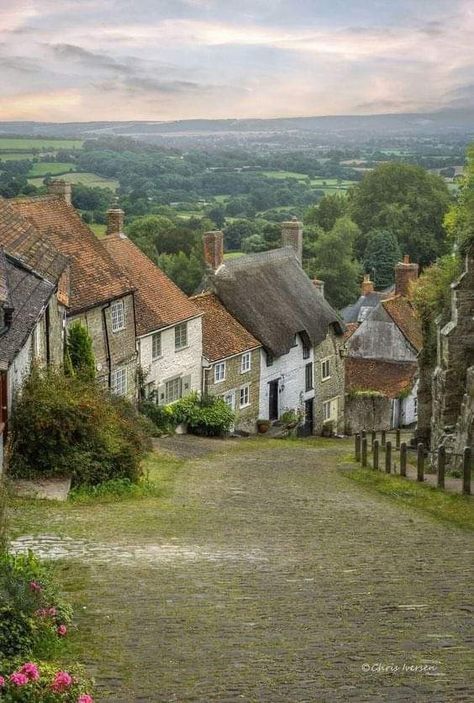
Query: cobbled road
[278,580]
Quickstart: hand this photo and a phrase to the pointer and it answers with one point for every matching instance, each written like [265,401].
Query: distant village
[257,333]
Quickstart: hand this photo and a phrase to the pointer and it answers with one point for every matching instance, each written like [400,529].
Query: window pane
[118,316]
[156,345]
[181,335]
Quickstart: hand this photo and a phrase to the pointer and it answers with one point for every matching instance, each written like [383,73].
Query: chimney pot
[214,249]
[115,216]
[292,236]
[61,189]
[406,274]
[367,286]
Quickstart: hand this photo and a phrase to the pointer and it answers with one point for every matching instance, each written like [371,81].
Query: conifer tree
[381,255]
[79,352]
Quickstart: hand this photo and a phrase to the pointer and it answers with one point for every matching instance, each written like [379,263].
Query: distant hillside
[442,122]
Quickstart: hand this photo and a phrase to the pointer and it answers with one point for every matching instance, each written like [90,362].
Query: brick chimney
[406,274]
[319,285]
[214,249]
[367,286]
[292,236]
[115,217]
[61,189]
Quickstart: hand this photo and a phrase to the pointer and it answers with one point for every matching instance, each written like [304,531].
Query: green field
[233,254]
[29,143]
[50,167]
[285,174]
[99,230]
[88,179]
[18,156]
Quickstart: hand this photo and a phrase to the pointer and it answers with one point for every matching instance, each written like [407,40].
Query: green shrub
[42,682]
[67,426]
[162,417]
[208,415]
[79,351]
[113,490]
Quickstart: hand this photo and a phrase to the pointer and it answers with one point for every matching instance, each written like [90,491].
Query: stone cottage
[300,334]
[168,323]
[381,363]
[101,295]
[231,362]
[452,422]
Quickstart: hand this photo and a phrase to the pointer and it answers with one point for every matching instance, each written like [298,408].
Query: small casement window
[156,346]
[269,359]
[181,336]
[119,381]
[219,372]
[327,411]
[309,377]
[245,362]
[295,341]
[244,399]
[173,390]
[118,315]
[306,350]
[325,369]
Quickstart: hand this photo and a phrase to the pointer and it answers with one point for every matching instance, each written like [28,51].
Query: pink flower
[18,679]
[31,671]
[85,698]
[2,682]
[62,630]
[61,681]
[41,613]
[35,586]
[53,612]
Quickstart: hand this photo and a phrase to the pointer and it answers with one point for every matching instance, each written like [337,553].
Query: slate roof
[222,334]
[95,278]
[403,313]
[387,377]
[29,295]
[159,301]
[272,297]
[358,311]
[22,240]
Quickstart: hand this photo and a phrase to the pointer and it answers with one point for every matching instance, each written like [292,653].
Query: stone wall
[331,388]
[367,413]
[464,434]
[246,418]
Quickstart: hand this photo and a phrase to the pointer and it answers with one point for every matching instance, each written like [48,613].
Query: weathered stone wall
[464,434]
[367,413]
[246,418]
[331,388]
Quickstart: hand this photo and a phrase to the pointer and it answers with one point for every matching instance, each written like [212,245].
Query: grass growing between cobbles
[448,507]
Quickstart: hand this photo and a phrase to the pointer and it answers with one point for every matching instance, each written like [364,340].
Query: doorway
[306,429]
[273,410]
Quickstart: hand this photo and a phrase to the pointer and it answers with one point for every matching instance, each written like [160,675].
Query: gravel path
[268,577]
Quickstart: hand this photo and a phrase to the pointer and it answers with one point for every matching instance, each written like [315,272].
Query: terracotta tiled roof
[404,316]
[222,335]
[159,302]
[387,377]
[350,329]
[95,278]
[24,241]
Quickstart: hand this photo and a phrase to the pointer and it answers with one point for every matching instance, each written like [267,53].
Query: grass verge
[448,507]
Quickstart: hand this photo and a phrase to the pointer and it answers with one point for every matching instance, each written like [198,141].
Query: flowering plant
[42,683]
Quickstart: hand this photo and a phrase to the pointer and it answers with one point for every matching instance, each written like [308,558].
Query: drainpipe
[107,343]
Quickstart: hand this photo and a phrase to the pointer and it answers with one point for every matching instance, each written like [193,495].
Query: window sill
[327,378]
[156,358]
[120,329]
[242,407]
[179,349]
[246,371]
[221,380]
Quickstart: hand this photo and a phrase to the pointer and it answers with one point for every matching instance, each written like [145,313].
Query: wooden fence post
[364,452]
[441,465]
[466,471]
[375,458]
[397,439]
[357,447]
[403,459]
[373,438]
[388,457]
[384,438]
[420,463]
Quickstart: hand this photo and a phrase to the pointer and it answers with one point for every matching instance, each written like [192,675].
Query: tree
[236,231]
[381,255]
[79,352]
[459,221]
[329,209]
[406,200]
[186,271]
[254,243]
[332,260]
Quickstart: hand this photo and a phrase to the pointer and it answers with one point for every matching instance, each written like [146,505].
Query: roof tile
[404,315]
[387,377]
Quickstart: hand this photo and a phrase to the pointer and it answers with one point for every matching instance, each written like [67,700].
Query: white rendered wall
[290,370]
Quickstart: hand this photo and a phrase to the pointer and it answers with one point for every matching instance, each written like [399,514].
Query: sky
[81,60]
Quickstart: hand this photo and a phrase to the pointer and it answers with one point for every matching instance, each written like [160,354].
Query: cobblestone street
[266,576]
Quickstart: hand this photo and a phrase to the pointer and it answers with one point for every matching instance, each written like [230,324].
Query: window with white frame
[245,362]
[173,390]
[325,369]
[181,336]
[119,381]
[244,399]
[156,346]
[326,411]
[118,315]
[219,372]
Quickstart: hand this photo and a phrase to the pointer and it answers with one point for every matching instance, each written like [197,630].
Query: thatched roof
[270,295]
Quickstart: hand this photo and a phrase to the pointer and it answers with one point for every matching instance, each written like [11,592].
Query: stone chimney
[367,286]
[292,236]
[61,189]
[115,217]
[214,249]
[319,285]
[406,274]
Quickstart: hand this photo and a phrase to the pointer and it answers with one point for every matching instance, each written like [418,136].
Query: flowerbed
[42,683]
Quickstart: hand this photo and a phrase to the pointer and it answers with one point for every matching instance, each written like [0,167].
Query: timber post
[403,459]
[420,462]
[441,465]
[388,457]
[466,471]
